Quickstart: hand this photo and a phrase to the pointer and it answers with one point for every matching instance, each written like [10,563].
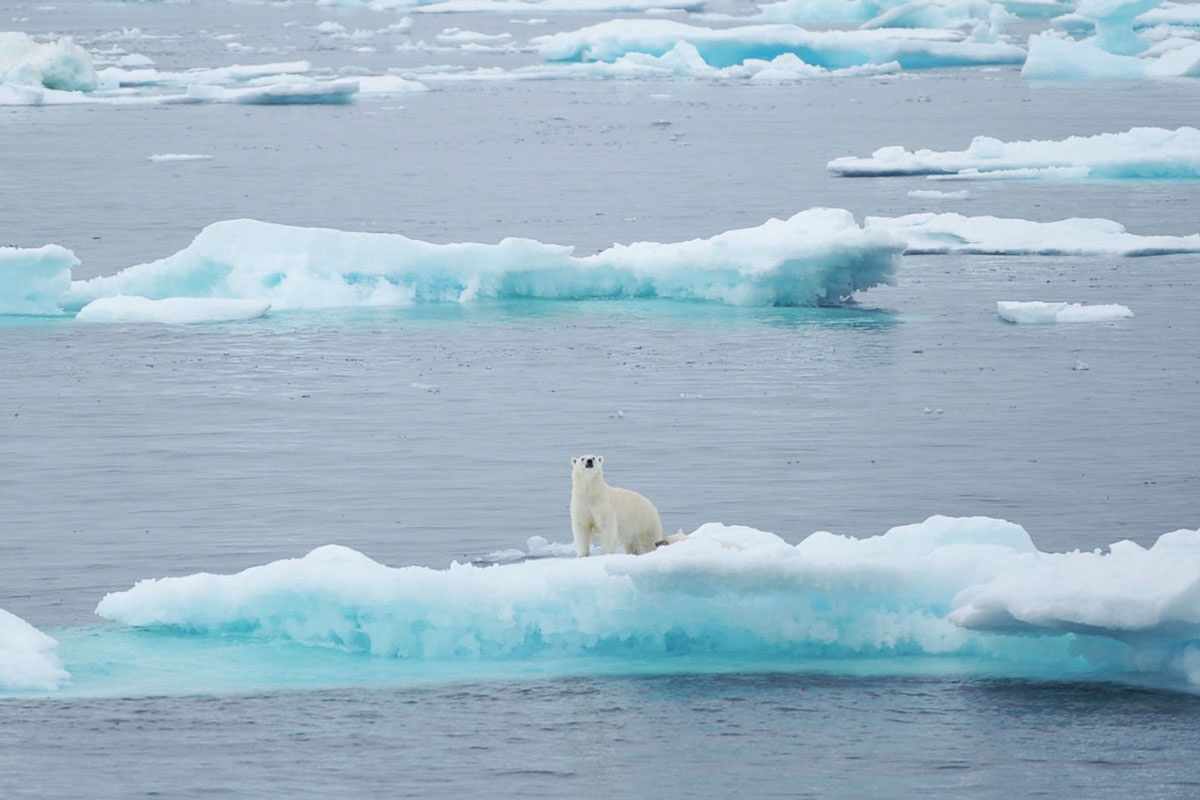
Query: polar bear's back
[641,527]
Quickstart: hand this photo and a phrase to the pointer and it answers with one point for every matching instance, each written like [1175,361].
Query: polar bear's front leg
[583,539]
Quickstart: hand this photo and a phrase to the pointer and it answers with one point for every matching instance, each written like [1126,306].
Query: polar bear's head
[587,468]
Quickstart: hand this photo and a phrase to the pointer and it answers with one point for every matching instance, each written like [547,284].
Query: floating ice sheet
[1139,153]
[907,13]
[33,73]
[1039,312]
[1055,57]
[931,233]
[946,588]
[817,256]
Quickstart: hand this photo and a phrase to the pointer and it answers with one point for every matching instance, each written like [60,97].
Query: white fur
[623,520]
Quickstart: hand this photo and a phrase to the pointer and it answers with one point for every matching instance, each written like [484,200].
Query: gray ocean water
[433,434]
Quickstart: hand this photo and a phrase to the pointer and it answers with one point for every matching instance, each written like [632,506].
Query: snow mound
[1055,57]
[1117,50]
[1042,313]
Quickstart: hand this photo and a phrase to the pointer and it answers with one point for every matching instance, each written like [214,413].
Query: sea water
[421,436]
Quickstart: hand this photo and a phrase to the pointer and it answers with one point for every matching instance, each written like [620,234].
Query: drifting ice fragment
[1037,312]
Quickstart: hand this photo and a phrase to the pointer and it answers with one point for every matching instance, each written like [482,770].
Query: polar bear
[621,518]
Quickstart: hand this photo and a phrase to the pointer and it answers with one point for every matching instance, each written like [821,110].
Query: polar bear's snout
[589,462]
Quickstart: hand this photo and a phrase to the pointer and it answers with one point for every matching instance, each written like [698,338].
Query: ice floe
[946,588]
[817,256]
[60,73]
[160,157]
[1039,312]
[1139,153]
[34,280]
[28,658]
[931,233]
[1056,57]
[724,47]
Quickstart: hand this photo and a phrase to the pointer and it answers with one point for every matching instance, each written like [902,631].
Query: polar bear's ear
[573,460]
[599,460]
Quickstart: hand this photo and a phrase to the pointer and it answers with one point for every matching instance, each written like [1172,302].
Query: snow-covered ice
[724,47]
[554,6]
[817,256]
[1055,57]
[903,13]
[1138,153]
[1117,49]
[924,589]
[1143,597]
[28,658]
[955,233]
[60,72]
[1039,312]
